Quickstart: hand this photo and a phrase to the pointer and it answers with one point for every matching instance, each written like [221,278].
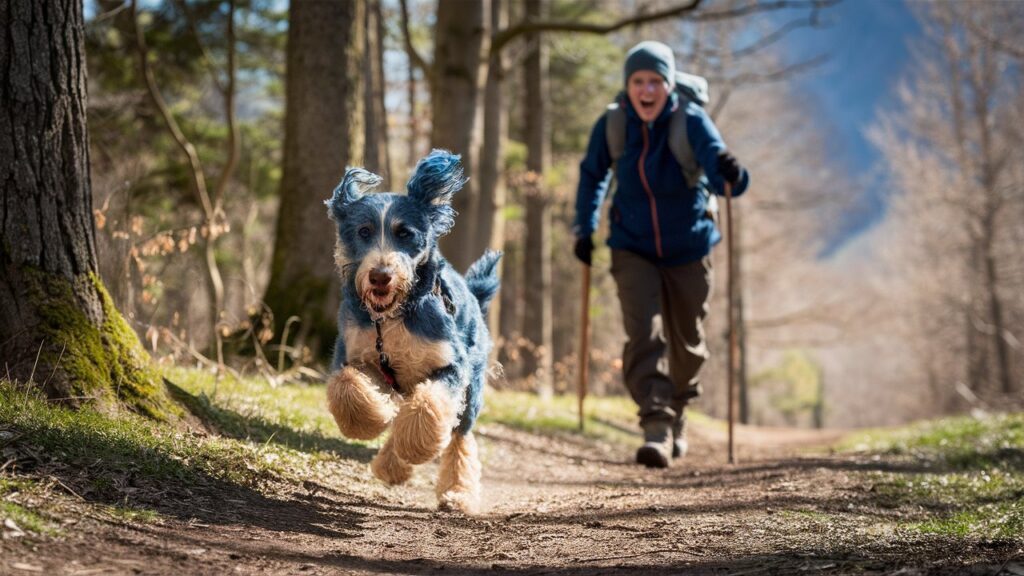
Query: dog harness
[385,362]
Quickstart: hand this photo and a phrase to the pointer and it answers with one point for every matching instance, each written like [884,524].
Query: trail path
[567,505]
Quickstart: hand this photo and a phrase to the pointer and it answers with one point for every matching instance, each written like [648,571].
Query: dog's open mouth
[380,300]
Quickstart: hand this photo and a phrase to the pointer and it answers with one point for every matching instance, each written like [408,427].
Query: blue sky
[869,45]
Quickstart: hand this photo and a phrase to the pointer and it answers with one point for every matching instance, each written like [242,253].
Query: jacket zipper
[650,195]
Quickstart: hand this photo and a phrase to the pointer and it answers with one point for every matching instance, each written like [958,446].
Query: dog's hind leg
[359,407]
[424,423]
[458,481]
[388,467]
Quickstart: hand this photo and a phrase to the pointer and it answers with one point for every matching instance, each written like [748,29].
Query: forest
[169,276]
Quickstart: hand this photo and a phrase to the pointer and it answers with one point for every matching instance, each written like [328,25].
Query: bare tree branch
[532,26]
[987,36]
[210,210]
[415,59]
[229,112]
[688,7]
[812,21]
[198,180]
[761,6]
[775,75]
[193,28]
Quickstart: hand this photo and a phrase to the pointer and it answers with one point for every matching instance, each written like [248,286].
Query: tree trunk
[491,228]
[537,322]
[376,158]
[454,77]
[323,134]
[58,326]
[741,327]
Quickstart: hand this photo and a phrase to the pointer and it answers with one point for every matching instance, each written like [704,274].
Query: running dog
[412,340]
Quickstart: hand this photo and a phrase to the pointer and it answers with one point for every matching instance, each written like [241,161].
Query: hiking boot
[679,444]
[655,451]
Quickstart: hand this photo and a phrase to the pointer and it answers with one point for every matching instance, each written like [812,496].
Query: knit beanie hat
[653,56]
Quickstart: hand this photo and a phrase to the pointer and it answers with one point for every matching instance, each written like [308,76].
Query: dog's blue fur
[426,214]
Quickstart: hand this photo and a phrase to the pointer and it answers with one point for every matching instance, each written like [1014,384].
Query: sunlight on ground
[972,477]
[960,477]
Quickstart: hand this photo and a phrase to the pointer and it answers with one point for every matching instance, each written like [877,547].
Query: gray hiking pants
[663,310]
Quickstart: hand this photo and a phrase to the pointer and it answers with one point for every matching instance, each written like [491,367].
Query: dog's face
[383,238]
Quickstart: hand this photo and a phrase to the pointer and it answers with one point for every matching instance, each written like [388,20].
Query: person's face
[648,93]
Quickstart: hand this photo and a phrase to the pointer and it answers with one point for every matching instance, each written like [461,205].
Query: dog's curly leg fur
[424,423]
[458,481]
[388,467]
[357,404]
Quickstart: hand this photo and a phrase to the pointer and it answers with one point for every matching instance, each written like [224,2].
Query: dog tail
[482,278]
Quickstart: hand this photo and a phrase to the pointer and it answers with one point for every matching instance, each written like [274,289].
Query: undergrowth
[963,477]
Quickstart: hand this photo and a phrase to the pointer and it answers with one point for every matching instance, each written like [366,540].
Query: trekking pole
[733,356]
[584,356]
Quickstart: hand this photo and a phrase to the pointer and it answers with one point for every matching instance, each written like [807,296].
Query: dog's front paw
[424,423]
[388,467]
[458,480]
[360,409]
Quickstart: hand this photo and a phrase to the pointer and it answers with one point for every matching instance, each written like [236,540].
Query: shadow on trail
[934,555]
[502,439]
[231,424]
[215,485]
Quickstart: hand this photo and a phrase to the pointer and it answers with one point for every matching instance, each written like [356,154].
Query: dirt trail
[553,506]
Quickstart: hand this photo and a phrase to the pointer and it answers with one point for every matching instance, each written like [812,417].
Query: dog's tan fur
[412,358]
[458,481]
[388,467]
[358,404]
[424,423]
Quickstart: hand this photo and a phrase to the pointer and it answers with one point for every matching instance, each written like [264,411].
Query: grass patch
[804,514]
[963,443]
[127,459]
[26,519]
[608,418]
[977,486]
[293,415]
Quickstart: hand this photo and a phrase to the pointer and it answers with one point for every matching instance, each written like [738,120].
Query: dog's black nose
[380,277]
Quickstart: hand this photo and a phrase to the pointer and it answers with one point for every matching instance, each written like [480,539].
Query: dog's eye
[365,232]
[403,233]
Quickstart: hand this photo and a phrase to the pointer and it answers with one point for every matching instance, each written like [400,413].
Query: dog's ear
[436,179]
[352,186]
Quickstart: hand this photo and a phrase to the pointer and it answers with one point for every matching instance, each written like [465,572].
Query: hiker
[667,159]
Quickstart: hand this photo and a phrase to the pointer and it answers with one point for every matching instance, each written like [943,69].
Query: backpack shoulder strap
[679,143]
[615,130]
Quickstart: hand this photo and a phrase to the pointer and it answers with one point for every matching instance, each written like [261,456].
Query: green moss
[96,363]
[26,519]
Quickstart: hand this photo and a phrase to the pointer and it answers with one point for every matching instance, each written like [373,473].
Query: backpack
[690,88]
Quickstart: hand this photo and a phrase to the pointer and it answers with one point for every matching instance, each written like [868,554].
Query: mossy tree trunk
[58,326]
[323,135]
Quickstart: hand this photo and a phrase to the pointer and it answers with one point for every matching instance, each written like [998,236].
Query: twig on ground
[644,553]
[66,487]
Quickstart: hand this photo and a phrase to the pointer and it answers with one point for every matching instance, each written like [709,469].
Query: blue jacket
[653,213]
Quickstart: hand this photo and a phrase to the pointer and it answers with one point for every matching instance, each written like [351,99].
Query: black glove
[729,167]
[583,248]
